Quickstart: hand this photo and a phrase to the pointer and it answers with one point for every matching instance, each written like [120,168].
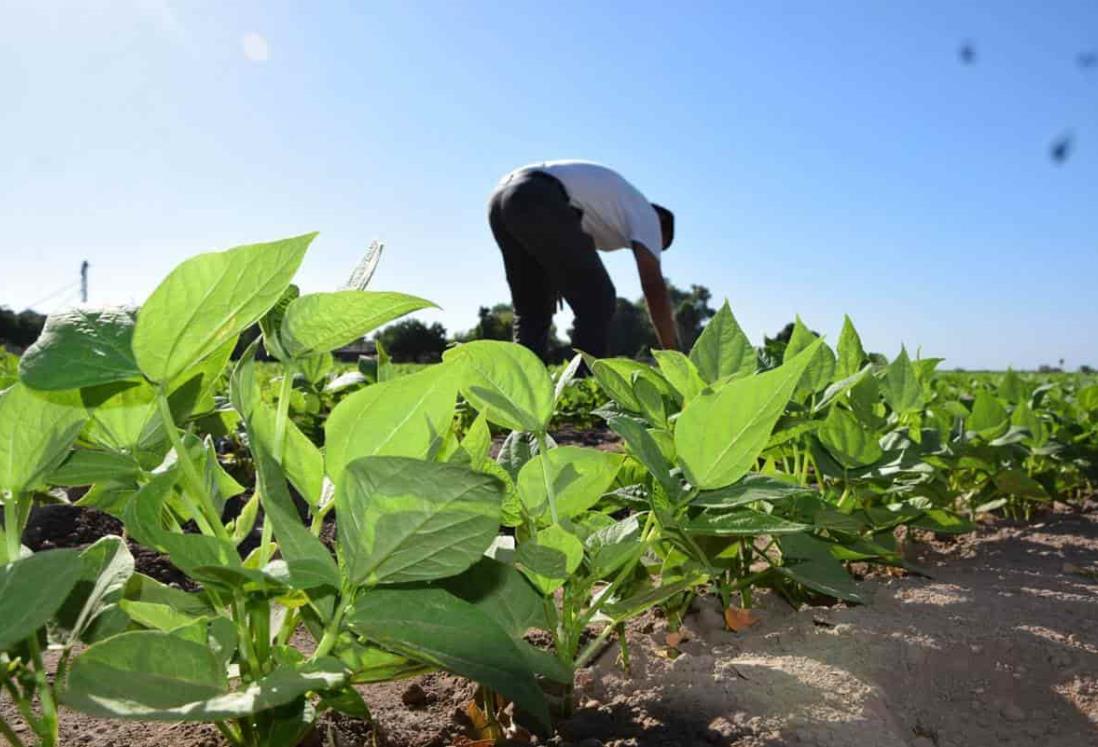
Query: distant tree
[631,332]
[774,347]
[496,323]
[1085,369]
[18,331]
[412,341]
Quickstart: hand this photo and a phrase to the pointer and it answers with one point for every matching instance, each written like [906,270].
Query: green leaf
[850,441]
[208,300]
[579,477]
[91,610]
[408,520]
[989,418]
[614,546]
[81,347]
[741,523]
[271,323]
[301,459]
[720,435]
[32,589]
[505,381]
[502,593]
[150,675]
[808,560]
[1025,417]
[309,561]
[36,431]
[123,416]
[821,369]
[476,446]
[638,603]
[723,350]
[851,355]
[438,628]
[1017,483]
[752,488]
[680,372]
[1011,387]
[644,447]
[408,416]
[320,322]
[87,466]
[551,559]
[900,387]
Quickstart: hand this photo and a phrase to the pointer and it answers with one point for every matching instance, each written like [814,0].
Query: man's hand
[655,295]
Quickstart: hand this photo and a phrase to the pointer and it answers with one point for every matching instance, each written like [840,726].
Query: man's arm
[655,295]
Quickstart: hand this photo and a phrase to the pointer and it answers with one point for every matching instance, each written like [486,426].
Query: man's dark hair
[667,224]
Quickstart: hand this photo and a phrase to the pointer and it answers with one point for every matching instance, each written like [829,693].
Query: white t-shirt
[615,213]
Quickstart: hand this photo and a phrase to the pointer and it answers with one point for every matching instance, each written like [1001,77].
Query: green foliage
[740,467]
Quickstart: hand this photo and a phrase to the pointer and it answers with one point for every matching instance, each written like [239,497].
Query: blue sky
[821,158]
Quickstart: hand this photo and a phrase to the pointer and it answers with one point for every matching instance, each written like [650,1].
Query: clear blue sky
[822,157]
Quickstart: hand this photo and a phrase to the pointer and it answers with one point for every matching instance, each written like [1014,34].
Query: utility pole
[84,281]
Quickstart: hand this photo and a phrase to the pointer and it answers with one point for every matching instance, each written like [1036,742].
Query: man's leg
[532,295]
[537,214]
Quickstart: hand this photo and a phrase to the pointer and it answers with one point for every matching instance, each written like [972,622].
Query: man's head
[667,224]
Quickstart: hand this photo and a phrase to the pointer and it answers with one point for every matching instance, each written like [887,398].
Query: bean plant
[739,468]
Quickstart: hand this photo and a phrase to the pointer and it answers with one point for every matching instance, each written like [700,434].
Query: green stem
[10,735]
[550,493]
[204,513]
[12,530]
[318,517]
[48,734]
[23,703]
[331,631]
[285,392]
[230,732]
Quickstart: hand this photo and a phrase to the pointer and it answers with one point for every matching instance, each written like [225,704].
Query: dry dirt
[998,647]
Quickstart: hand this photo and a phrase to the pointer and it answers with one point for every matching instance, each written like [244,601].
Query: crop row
[738,472]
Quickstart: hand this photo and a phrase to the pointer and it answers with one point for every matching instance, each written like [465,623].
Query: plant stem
[48,734]
[10,735]
[12,532]
[331,630]
[208,520]
[550,494]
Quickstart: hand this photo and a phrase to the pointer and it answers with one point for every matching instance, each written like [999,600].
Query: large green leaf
[900,387]
[850,441]
[680,372]
[753,487]
[720,435]
[319,322]
[505,381]
[722,349]
[32,589]
[645,449]
[821,369]
[502,593]
[91,611]
[307,558]
[579,477]
[151,675]
[87,466]
[989,418]
[408,416]
[81,347]
[809,561]
[741,522]
[208,300]
[36,431]
[850,353]
[405,519]
[301,459]
[438,628]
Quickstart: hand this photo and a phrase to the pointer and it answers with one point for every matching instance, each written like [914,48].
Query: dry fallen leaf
[674,639]
[738,619]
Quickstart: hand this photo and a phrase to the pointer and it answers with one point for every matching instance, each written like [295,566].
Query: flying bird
[1061,148]
[1087,60]
[967,53]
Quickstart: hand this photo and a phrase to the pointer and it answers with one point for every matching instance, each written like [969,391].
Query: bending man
[549,219]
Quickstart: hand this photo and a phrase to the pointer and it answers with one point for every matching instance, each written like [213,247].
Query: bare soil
[997,647]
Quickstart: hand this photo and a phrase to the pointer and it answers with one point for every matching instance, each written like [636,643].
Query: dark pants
[548,256]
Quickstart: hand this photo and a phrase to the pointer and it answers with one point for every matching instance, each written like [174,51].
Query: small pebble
[414,696]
